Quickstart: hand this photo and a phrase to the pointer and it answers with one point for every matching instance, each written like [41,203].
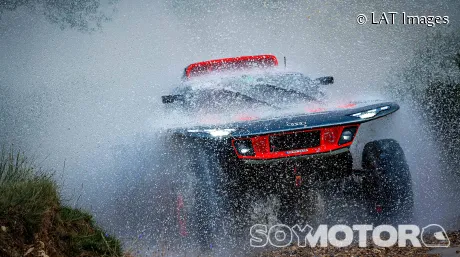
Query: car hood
[310,119]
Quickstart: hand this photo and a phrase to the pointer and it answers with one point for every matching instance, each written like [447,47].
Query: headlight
[214,132]
[244,147]
[347,135]
[219,132]
[370,113]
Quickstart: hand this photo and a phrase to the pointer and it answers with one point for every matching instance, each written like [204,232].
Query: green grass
[31,214]
[15,167]
[85,235]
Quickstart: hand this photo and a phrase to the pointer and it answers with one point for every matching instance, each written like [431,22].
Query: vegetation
[432,83]
[34,223]
[83,15]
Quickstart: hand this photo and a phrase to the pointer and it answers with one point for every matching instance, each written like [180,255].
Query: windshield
[252,91]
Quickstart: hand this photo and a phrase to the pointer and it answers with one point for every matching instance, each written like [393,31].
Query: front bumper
[325,140]
[295,158]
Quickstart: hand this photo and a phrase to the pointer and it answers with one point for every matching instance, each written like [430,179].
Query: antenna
[285,62]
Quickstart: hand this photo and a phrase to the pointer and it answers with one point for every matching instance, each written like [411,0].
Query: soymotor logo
[281,235]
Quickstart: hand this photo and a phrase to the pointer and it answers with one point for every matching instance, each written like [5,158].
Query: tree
[82,15]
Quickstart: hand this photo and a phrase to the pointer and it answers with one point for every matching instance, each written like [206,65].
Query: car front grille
[294,140]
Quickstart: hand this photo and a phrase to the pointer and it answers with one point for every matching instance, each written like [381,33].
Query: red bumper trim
[329,141]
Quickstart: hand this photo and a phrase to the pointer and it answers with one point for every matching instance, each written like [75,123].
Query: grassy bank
[34,223]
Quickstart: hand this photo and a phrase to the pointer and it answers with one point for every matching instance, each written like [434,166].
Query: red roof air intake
[234,63]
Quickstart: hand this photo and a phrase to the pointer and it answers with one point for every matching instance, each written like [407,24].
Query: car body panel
[232,63]
[328,141]
[337,117]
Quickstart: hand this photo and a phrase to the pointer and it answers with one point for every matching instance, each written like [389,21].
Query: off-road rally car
[260,132]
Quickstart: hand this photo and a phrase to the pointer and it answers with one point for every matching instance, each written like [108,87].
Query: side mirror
[167,99]
[325,80]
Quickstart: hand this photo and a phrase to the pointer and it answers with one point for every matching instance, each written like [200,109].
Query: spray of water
[92,101]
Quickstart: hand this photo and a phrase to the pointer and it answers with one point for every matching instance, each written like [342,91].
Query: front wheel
[201,197]
[387,184]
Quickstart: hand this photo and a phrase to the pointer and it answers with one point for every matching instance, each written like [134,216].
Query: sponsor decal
[297,151]
[300,123]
